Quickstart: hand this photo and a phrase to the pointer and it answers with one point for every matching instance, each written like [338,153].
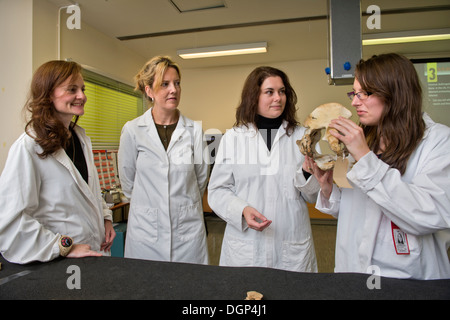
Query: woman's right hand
[253,218]
[82,250]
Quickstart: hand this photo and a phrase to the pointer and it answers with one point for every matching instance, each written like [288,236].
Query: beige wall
[87,46]
[16,19]
[28,34]
[211,95]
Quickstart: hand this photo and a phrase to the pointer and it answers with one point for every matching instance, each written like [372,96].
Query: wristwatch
[65,244]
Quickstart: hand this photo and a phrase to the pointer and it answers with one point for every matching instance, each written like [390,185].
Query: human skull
[318,120]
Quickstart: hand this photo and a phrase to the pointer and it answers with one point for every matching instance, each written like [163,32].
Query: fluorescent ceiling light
[406,36]
[228,50]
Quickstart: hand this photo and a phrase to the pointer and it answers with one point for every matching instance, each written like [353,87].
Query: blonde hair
[152,74]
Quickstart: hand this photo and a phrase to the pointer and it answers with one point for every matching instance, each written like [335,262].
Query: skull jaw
[307,146]
[325,161]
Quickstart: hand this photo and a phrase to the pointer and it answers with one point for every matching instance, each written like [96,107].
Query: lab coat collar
[61,156]
[428,124]
[253,130]
[282,132]
[146,120]
[178,133]
[252,127]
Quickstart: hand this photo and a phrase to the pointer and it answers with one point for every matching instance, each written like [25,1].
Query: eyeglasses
[361,95]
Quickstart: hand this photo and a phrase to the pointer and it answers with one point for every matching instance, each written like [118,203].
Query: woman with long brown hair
[258,186]
[49,190]
[396,217]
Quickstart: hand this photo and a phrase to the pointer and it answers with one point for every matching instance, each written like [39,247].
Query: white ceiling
[260,20]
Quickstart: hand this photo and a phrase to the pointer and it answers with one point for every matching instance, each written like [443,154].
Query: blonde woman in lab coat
[162,171]
[50,196]
[259,185]
[395,221]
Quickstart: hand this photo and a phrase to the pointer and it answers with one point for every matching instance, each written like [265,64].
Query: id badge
[400,240]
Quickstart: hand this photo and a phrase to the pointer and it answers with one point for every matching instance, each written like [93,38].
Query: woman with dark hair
[400,178]
[258,186]
[49,190]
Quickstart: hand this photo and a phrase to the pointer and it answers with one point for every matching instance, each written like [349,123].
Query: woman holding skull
[400,179]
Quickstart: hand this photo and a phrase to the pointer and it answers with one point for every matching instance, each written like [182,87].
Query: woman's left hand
[308,165]
[350,134]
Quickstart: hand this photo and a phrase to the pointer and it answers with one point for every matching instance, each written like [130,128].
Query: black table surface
[112,278]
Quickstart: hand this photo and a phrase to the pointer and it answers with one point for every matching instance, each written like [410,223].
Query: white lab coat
[246,173]
[166,220]
[417,202]
[42,199]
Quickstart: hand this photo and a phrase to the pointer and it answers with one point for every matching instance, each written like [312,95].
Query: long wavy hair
[393,79]
[44,125]
[246,112]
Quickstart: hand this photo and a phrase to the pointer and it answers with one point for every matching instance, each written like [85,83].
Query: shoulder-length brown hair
[48,131]
[393,79]
[247,110]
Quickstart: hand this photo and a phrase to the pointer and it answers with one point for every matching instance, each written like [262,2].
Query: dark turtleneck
[75,152]
[268,128]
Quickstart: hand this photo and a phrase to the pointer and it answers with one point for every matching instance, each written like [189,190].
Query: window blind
[110,104]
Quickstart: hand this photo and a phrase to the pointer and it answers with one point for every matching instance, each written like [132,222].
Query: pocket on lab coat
[190,222]
[299,256]
[237,252]
[385,256]
[143,224]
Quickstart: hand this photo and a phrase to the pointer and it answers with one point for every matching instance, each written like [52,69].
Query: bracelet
[65,244]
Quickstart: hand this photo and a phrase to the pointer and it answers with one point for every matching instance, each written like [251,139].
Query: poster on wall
[435,79]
